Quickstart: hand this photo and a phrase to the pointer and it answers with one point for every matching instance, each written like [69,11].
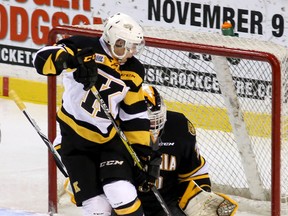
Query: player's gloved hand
[86,72]
[84,61]
[151,161]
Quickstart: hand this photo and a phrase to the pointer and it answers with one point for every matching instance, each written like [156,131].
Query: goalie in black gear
[184,181]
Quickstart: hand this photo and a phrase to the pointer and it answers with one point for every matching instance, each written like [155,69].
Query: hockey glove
[151,161]
[84,61]
[86,72]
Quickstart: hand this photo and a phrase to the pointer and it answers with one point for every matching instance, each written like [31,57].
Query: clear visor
[133,48]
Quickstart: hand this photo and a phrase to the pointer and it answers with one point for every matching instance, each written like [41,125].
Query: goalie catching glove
[151,161]
[84,61]
[198,202]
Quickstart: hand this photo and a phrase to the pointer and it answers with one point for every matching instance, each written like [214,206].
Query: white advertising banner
[26,22]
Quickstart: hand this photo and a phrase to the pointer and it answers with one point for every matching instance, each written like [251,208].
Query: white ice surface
[24,163]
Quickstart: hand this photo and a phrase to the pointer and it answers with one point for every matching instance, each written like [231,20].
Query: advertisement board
[24,24]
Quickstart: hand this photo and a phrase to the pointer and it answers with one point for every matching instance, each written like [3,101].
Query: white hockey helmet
[122,26]
[157,111]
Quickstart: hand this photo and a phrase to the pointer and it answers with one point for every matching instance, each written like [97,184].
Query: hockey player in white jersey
[102,173]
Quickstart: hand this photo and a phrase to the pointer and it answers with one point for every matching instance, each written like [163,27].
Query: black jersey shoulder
[176,121]
[79,42]
[180,130]
[133,73]
[134,65]
[178,127]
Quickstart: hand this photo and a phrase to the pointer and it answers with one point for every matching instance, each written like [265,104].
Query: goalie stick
[55,154]
[129,147]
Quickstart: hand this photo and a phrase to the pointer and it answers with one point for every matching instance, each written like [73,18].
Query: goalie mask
[156,110]
[122,27]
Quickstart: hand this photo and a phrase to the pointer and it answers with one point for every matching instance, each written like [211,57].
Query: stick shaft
[161,201]
[47,142]
[129,148]
[119,131]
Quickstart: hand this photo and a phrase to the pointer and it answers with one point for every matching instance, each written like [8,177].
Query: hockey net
[233,90]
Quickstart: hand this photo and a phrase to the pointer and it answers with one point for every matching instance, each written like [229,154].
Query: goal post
[234,90]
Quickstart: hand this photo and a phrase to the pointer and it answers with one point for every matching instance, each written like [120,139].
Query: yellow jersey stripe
[138,137]
[195,178]
[193,171]
[85,132]
[132,76]
[133,97]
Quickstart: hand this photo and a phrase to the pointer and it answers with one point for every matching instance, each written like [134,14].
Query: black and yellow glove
[86,72]
[151,160]
[84,61]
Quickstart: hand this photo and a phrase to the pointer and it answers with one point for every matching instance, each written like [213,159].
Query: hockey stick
[128,147]
[55,154]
